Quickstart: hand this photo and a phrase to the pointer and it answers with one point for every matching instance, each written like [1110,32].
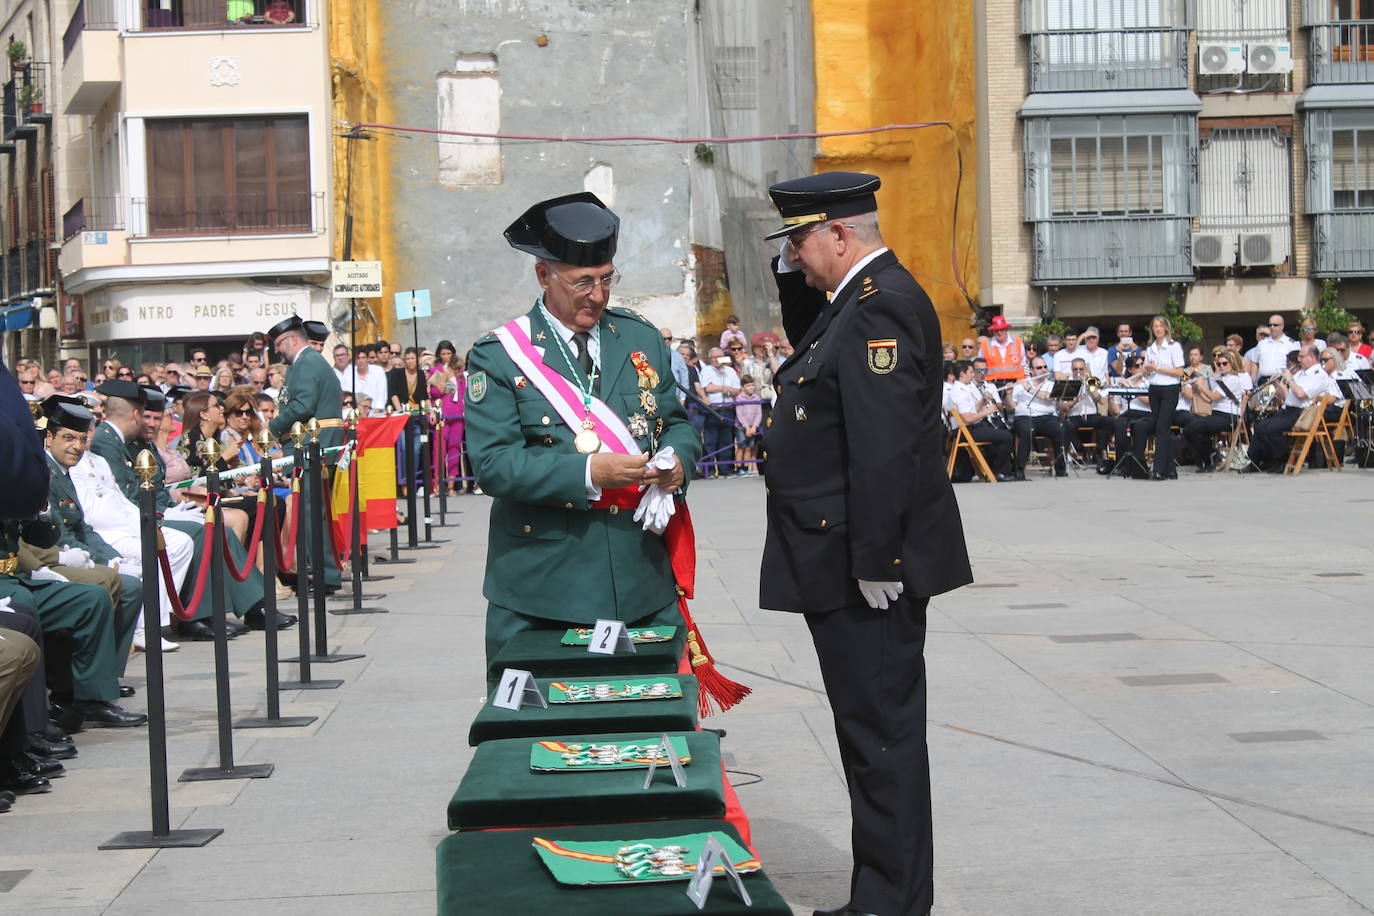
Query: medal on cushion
[587,442]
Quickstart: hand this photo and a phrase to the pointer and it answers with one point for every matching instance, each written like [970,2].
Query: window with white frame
[1352,169]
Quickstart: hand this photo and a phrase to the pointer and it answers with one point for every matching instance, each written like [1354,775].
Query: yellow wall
[357,80]
[897,61]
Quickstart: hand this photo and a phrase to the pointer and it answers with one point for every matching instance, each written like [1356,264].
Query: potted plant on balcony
[18,55]
[31,98]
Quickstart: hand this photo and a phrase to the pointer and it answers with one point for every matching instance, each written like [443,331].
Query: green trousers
[85,611]
[241,596]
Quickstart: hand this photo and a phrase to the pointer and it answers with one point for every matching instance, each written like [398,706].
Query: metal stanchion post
[357,548]
[306,682]
[268,546]
[442,476]
[412,500]
[209,450]
[319,562]
[162,836]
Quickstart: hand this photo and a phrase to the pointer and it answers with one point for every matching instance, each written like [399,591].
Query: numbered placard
[517,688]
[665,751]
[713,856]
[609,637]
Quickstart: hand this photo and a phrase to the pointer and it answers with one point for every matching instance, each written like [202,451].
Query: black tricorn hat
[827,196]
[293,323]
[67,412]
[121,388]
[153,398]
[576,229]
[316,330]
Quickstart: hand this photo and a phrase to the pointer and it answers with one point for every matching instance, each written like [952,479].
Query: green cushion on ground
[499,790]
[497,871]
[648,716]
[540,653]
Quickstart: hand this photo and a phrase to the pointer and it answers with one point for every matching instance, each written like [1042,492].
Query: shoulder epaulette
[490,335]
[621,311]
[869,288]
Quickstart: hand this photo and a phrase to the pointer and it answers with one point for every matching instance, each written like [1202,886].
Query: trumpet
[1007,386]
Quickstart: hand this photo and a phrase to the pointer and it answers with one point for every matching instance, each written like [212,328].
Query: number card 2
[610,638]
[517,688]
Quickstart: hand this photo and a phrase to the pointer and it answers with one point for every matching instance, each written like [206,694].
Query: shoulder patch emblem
[882,356]
[477,387]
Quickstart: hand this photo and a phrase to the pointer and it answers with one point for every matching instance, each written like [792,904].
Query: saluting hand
[612,471]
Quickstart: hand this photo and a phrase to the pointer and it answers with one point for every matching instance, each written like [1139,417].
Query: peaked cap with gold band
[817,198]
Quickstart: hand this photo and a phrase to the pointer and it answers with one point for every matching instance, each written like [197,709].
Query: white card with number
[610,638]
[665,749]
[517,688]
[713,856]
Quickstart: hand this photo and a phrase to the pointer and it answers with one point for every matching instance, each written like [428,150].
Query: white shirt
[1271,354]
[371,383]
[1168,356]
[964,397]
[718,375]
[1356,361]
[1096,360]
[1063,360]
[1237,383]
[103,503]
[1084,405]
[1125,405]
[1315,381]
[1034,402]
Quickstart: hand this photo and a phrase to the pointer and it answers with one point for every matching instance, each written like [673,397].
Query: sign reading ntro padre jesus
[356,279]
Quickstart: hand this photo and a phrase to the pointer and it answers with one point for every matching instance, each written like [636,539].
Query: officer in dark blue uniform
[862,523]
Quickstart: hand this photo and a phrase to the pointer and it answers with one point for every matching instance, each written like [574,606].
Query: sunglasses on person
[967,347]
[124,373]
[1276,324]
[735,349]
[243,412]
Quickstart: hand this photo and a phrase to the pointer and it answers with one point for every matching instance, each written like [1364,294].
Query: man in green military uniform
[570,413]
[311,391]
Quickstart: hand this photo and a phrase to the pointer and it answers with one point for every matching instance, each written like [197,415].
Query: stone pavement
[1154,700]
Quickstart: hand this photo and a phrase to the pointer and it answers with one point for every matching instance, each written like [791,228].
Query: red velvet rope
[253,541]
[286,546]
[188,612]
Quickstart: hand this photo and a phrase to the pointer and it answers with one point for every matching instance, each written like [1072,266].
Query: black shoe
[46,767]
[1061,472]
[5,805]
[7,796]
[1019,474]
[56,750]
[64,717]
[126,691]
[195,631]
[104,714]
[1006,478]
[1104,468]
[55,735]
[257,619]
[838,911]
[19,782]
[233,629]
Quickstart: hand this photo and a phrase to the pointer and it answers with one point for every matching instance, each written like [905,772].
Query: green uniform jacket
[109,445]
[311,390]
[548,554]
[66,511]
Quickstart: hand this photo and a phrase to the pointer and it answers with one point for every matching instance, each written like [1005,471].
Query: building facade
[1129,145]
[196,170]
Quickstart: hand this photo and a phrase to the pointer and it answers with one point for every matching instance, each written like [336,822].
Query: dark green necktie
[584,354]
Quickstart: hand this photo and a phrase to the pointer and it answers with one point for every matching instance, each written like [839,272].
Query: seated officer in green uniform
[560,550]
[311,391]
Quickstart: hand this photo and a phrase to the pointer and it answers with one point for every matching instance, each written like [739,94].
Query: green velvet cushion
[540,653]
[499,790]
[650,716]
[497,872]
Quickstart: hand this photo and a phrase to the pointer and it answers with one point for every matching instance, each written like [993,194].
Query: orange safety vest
[1005,364]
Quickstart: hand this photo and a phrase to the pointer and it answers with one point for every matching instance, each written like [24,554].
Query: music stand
[1067,389]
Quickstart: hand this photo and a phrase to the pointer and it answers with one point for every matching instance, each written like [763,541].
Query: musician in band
[975,407]
[1163,371]
[1224,392]
[1087,411]
[1270,353]
[1131,419]
[1035,413]
[1299,389]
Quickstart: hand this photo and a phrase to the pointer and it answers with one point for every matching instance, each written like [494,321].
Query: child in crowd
[749,417]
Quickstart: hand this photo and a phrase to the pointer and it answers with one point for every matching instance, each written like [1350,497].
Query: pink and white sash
[562,394]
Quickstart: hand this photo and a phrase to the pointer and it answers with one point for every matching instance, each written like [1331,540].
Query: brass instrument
[1265,398]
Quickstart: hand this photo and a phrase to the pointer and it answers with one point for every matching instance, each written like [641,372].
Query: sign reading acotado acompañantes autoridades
[356,279]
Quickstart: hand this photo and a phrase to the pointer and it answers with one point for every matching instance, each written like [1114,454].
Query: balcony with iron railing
[93,214]
[204,15]
[14,272]
[1120,249]
[1083,61]
[285,212]
[1343,244]
[1342,52]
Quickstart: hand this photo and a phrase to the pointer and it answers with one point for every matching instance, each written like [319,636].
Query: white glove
[184,511]
[45,574]
[656,506]
[785,266]
[75,557]
[5,605]
[880,594]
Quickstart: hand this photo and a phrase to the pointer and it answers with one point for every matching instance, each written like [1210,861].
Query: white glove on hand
[45,574]
[784,252]
[76,557]
[5,605]
[656,506]
[880,594]
[184,511]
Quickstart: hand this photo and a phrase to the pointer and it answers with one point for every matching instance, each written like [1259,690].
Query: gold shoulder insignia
[869,292]
[629,313]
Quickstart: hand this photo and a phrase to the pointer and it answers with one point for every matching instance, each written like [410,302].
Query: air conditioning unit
[1213,249]
[1266,57]
[1220,58]
[1262,249]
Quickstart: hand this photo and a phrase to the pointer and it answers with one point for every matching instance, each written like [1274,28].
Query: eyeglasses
[667,340]
[1354,332]
[125,373]
[243,412]
[735,349]
[28,381]
[1042,366]
[1276,324]
[967,347]
[1328,359]
[794,241]
[197,359]
[586,285]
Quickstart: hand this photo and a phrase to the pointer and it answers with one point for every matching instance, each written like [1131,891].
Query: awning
[1345,95]
[1080,104]
[18,317]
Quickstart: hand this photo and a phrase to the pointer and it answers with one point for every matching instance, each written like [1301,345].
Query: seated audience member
[1341,344]
[1035,413]
[279,12]
[1224,390]
[1099,365]
[975,408]
[1268,445]
[1117,353]
[1356,333]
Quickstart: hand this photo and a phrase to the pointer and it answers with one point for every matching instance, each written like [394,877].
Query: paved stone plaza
[1156,699]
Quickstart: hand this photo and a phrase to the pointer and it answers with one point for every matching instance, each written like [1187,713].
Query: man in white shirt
[364,379]
[1354,361]
[1093,355]
[969,400]
[1085,412]
[721,384]
[1268,445]
[1063,359]
[1271,353]
[1034,413]
[341,363]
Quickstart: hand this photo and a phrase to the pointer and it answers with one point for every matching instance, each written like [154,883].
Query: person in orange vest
[1006,355]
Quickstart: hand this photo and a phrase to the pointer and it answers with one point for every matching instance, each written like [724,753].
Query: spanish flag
[375,460]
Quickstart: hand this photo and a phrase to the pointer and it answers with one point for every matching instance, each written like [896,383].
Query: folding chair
[963,439]
[1303,439]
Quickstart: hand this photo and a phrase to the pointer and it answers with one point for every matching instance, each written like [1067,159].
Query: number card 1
[517,688]
[610,638]
[713,856]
